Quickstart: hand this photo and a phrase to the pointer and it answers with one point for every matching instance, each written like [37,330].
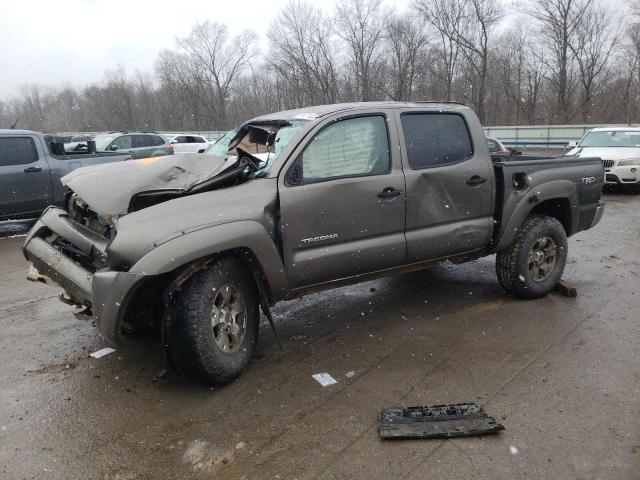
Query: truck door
[342,202]
[450,194]
[25,181]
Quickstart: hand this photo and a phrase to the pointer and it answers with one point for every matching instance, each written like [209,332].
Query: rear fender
[527,202]
[247,235]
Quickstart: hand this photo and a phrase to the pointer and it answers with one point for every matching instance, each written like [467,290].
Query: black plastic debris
[437,421]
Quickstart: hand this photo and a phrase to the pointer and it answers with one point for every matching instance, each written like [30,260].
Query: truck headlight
[629,161]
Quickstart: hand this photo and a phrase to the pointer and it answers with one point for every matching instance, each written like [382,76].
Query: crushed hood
[109,188]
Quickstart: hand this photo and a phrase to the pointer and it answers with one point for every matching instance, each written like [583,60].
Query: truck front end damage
[117,214]
[63,253]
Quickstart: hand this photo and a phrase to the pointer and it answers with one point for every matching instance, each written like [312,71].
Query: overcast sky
[74,41]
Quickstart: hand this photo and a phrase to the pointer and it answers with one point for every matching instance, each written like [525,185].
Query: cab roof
[318,111]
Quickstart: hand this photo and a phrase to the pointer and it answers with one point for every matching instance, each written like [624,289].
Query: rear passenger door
[450,195]
[25,181]
[342,202]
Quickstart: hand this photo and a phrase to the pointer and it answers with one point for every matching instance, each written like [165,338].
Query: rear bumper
[105,292]
[599,212]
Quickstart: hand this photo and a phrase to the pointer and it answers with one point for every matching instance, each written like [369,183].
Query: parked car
[136,144]
[496,146]
[619,149]
[188,143]
[321,201]
[31,168]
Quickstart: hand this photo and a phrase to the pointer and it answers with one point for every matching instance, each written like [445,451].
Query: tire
[195,345]
[527,269]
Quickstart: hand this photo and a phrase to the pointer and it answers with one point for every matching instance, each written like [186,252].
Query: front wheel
[534,262]
[212,328]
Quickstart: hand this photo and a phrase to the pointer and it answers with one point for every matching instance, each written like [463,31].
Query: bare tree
[447,17]
[510,54]
[577,63]
[361,25]
[482,16]
[218,61]
[302,51]
[560,21]
[405,42]
[597,36]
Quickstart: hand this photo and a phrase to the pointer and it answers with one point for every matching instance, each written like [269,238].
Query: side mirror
[113,148]
[174,141]
[572,144]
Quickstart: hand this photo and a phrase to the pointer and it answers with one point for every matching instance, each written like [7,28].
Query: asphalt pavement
[561,374]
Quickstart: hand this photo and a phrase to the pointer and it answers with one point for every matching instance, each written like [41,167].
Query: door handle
[32,169]
[476,180]
[389,192]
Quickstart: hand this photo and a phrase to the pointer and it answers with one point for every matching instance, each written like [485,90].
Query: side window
[156,140]
[199,140]
[191,139]
[181,139]
[351,147]
[493,146]
[17,151]
[123,142]
[435,139]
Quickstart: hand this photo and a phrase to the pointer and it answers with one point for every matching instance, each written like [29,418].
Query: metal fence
[541,136]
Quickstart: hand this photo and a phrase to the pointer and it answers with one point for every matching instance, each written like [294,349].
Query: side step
[437,421]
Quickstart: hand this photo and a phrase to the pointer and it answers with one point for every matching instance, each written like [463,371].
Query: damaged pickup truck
[191,247]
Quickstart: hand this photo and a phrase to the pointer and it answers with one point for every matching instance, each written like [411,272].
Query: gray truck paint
[298,238]
[27,189]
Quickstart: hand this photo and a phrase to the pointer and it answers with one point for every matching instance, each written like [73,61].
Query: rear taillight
[170,149]
[128,158]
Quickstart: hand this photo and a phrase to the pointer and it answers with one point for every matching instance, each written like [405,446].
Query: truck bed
[524,181]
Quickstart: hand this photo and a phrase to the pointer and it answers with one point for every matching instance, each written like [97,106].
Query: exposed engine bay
[98,195]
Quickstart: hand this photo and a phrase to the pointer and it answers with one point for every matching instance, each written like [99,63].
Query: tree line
[538,62]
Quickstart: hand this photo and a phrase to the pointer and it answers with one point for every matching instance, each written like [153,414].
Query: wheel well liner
[146,294]
[558,208]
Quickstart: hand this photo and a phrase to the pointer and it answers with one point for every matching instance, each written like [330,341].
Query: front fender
[209,241]
[518,207]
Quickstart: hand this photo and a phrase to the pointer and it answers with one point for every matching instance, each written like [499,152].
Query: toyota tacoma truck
[192,247]
[31,165]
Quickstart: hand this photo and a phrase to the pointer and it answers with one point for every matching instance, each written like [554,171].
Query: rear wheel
[534,262]
[212,328]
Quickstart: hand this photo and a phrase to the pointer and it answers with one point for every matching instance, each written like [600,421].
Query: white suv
[619,149]
[184,143]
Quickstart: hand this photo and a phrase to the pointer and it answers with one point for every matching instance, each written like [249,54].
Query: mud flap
[436,421]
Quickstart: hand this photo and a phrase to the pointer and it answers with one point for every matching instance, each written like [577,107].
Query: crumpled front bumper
[105,292]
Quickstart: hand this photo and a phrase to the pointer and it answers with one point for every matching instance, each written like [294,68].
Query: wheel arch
[557,199]
[558,208]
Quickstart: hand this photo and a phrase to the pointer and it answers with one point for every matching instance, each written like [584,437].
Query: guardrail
[541,136]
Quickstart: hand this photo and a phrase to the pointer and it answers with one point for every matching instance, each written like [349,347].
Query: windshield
[265,147]
[612,138]
[102,141]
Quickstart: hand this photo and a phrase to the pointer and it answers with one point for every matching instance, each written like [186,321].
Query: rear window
[17,151]
[435,139]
